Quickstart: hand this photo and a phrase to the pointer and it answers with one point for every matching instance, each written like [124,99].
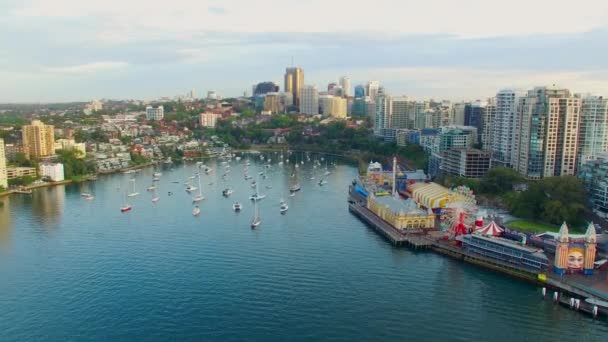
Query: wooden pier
[395,236]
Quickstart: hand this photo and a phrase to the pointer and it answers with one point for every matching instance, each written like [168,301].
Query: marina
[324,271]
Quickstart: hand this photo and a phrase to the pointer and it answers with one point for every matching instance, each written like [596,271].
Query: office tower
[272,102]
[156,114]
[383,117]
[3,179]
[420,113]
[333,106]
[294,80]
[593,132]
[345,84]
[310,100]
[263,88]
[359,92]
[548,123]
[503,127]
[372,89]
[38,140]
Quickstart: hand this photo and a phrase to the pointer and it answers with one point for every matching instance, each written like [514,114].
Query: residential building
[155,114]
[457,114]
[594,174]
[309,100]
[421,111]
[548,124]
[383,113]
[402,107]
[345,84]
[15,172]
[3,177]
[593,132]
[470,163]
[52,171]
[71,145]
[487,124]
[504,127]
[294,80]
[272,103]
[209,119]
[38,140]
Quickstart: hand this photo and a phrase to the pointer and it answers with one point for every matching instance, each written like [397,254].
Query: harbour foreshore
[434,241]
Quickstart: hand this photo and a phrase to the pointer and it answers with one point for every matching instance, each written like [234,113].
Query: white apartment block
[309,100]
[504,127]
[3,176]
[593,132]
[54,172]
[208,119]
[155,114]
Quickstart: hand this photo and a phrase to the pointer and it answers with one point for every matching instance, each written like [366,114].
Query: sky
[79,50]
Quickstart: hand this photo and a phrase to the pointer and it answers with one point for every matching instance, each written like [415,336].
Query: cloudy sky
[64,50]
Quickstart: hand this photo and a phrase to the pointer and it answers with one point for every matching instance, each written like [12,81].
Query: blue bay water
[72,269]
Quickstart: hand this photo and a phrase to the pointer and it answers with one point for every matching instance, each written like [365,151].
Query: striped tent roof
[491,229]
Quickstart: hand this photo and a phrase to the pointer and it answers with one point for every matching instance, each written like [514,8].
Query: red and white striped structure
[491,229]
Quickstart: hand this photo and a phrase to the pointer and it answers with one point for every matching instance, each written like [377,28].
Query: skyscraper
[38,139]
[593,133]
[345,84]
[402,107]
[487,123]
[548,123]
[359,92]
[372,89]
[503,127]
[3,179]
[272,102]
[294,80]
[310,100]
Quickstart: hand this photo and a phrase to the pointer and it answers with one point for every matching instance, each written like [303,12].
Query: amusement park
[409,210]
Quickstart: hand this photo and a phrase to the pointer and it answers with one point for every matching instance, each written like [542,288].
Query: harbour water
[73,269]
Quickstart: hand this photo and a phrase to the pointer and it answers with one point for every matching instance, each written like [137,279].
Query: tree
[499,180]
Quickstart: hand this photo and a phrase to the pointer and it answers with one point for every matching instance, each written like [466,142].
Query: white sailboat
[132,192]
[198,197]
[196,211]
[126,206]
[256,221]
[295,184]
[284,207]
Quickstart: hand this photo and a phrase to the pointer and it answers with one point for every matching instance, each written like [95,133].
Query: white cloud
[88,68]
[464,18]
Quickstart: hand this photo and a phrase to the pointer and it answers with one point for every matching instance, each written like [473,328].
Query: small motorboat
[126,208]
[227,192]
[151,188]
[155,199]
[190,188]
[284,208]
[196,211]
[237,206]
[256,197]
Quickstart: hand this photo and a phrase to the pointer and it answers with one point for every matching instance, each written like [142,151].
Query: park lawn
[531,226]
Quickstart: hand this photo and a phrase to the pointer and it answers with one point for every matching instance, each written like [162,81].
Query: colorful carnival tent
[491,229]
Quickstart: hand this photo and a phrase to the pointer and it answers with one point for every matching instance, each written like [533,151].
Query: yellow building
[432,195]
[3,177]
[38,140]
[71,145]
[338,108]
[272,103]
[294,80]
[402,214]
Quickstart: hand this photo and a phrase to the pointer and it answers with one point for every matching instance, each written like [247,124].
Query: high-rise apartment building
[3,179]
[457,114]
[310,100]
[487,123]
[155,114]
[548,123]
[504,127]
[345,84]
[372,89]
[38,140]
[593,132]
[384,113]
[334,106]
[294,80]
[402,108]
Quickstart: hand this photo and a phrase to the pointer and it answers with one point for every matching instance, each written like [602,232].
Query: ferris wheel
[458,216]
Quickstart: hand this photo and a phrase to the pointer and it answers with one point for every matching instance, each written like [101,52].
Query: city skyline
[72,51]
